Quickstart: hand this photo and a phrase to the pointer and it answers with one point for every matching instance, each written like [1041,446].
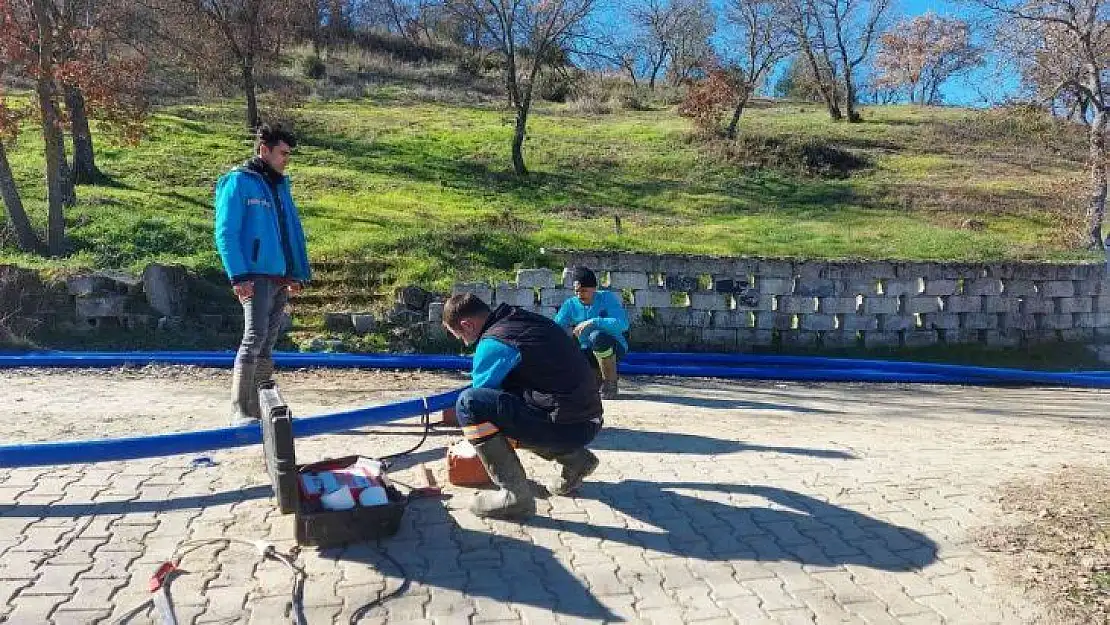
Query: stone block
[916,305]
[709,300]
[733,319]
[817,322]
[1017,321]
[338,322]
[1037,305]
[652,298]
[166,288]
[716,339]
[963,304]
[89,285]
[840,339]
[636,263]
[98,306]
[365,323]
[1001,305]
[1002,338]
[1065,305]
[838,305]
[554,297]
[480,289]
[774,321]
[816,287]
[682,317]
[435,312]
[415,298]
[755,337]
[628,280]
[683,338]
[681,283]
[509,294]
[881,339]
[1019,288]
[915,270]
[774,286]
[960,337]
[1056,288]
[1056,322]
[920,338]
[801,339]
[647,337]
[941,321]
[978,321]
[983,286]
[858,286]
[1043,335]
[880,270]
[897,323]
[911,287]
[797,304]
[941,286]
[854,323]
[880,305]
[535,278]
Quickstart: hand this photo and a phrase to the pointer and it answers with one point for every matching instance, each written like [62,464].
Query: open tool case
[315,525]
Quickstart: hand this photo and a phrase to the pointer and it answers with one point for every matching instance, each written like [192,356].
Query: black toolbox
[315,525]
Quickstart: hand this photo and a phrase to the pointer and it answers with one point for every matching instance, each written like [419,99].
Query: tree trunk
[518,138]
[1096,209]
[248,90]
[827,94]
[25,235]
[850,96]
[52,135]
[740,104]
[84,157]
[655,67]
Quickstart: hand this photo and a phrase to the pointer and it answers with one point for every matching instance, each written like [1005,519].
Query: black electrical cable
[400,590]
[426,421]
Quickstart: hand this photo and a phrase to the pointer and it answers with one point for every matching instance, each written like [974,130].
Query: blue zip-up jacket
[607,314]
[248,234]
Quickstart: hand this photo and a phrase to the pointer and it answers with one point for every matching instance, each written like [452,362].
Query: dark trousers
[484,412]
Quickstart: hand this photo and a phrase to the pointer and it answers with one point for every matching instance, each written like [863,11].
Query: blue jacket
[248,234]
[607,314]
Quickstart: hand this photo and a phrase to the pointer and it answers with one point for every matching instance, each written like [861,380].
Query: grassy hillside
[420,188]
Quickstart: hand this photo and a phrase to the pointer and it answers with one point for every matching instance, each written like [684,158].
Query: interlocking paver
[721,505]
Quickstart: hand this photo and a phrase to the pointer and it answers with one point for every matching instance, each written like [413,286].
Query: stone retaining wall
[729,304]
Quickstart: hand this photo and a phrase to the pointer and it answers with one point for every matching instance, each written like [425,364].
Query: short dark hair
[463,306]
[270,136]
[584,277]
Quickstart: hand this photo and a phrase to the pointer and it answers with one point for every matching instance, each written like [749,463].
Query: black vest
[553,374]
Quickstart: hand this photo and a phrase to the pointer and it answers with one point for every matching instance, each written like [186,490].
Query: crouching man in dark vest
[531,383]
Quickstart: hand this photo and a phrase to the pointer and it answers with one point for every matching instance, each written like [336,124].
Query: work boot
[244,404]
[577,466]
[513,497]
[609,377]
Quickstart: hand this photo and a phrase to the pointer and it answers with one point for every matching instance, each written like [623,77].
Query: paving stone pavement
[715,503]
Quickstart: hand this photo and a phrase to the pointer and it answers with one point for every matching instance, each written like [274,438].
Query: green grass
[423,188]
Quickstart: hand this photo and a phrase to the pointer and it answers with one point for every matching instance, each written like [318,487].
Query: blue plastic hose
[726,366]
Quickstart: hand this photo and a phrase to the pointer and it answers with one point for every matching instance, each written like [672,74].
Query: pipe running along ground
[726,366]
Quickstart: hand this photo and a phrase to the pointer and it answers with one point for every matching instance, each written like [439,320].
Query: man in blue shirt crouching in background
[531,383]
[598,319]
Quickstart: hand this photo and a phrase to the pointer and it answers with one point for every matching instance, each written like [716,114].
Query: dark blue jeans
[478,408]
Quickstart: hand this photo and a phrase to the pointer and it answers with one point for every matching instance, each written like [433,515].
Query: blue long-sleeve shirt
[606,313]
[493,361]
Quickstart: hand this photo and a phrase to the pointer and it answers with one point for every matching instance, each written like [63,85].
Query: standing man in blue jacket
[262,245]
[598,319]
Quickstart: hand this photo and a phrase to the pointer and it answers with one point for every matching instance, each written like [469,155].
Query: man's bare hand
[580,328]
[244,290]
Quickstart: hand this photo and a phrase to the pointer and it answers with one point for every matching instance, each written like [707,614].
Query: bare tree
[215,36]
[10,119]
[531,35]
[806,27]
[1062,48]
[921,54]
[855,26]
[759,39]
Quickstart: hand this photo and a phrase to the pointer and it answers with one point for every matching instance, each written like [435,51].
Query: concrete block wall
[736,304]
